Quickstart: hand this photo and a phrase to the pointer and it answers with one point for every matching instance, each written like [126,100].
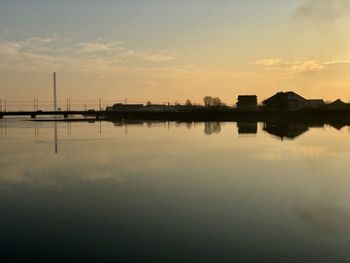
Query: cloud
[42,54]
[297,66]
[323,11]
[92,47]
[268,62]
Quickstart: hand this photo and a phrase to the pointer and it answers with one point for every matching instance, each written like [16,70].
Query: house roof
[247,96]
[338,102]
[282,94]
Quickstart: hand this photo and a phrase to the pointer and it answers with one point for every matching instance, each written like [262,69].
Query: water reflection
[285,130]
[247,127]
[167,185]
[3,128]
[212,128]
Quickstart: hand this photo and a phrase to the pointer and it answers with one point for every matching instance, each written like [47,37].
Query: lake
[174,192]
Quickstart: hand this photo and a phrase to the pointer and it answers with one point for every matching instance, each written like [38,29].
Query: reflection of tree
[212,127]
[188,125]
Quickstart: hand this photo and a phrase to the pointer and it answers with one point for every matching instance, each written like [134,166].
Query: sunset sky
[162,50]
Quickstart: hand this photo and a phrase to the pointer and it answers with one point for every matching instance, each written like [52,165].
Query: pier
[65,114]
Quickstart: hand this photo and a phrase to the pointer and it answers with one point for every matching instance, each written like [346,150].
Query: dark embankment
[321,116]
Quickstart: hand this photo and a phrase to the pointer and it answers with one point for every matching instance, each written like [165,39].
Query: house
[247,103]
[316,104]
[285,101]
[338,105]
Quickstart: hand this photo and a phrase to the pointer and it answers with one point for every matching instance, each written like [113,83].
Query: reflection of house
[338,105]
[285,130]
[247,103]
[247,127]
[291,101]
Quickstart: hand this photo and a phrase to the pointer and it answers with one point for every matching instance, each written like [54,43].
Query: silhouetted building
[338,105]
[316,104]
[292,101]
[285,101]
[247,103]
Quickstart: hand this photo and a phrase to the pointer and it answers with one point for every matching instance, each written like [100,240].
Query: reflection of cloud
[324,219]
[55,170]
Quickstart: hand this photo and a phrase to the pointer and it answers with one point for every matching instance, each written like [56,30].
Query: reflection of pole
[56,142]
[54,92]
[36,127]
[100,128]
[3,128]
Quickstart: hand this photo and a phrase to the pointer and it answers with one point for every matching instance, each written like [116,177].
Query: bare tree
[210,101]
[188,102]
[216,101]
[207,101]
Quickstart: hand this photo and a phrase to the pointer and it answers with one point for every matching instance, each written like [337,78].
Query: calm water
[170,192]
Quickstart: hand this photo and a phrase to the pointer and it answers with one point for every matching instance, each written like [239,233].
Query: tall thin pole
[54,92]
[99,101]
[34,104]
[4,105]
[0,105]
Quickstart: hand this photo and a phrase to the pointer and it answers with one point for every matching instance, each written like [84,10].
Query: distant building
[247,103]
[285,101]
[125,107]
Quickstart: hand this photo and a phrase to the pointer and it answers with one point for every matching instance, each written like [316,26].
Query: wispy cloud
[41,54]
[297,66]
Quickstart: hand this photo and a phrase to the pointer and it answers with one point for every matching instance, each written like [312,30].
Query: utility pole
[4,105]
[100,104]
[0,105]
[37,104]
[34,104]
[67,104]
[54,92]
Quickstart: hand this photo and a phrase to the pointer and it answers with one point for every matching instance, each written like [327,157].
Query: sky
[162,50]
